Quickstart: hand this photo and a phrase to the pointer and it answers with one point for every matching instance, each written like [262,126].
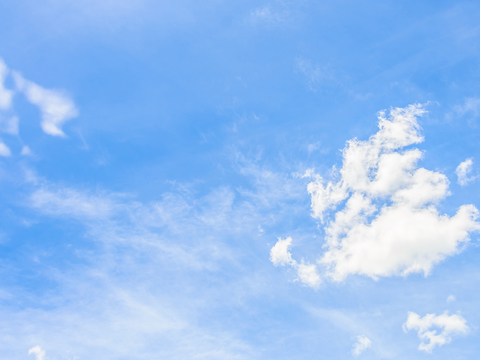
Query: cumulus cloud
[362,344]
[56,107]
[448,325]
[463,170]
[38,352]
[388,222]
[280,255]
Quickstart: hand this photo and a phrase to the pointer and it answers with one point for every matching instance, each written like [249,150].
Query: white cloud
[279,254]
[4,150]
[307,273]
[38,352]
[362,344]
[451,298]
[6,95]
[448,324]
[56,107]
[463,170]
[389,223]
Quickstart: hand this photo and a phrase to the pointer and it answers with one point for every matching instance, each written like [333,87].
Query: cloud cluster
[362,344]
[280,255]
[448,324]
[388,222]
[55,106]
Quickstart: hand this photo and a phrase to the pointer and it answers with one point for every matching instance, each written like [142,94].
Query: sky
[239,179]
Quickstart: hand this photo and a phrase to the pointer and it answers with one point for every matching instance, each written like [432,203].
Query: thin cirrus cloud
[362,344]
[165,234]
[462,172]
[314,74]
[389,224]
[425,326]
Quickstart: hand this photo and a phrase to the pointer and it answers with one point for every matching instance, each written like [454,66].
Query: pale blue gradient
[146,232]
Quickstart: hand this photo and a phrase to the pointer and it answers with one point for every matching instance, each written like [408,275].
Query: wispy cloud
[56,107]
[462,172]
[449,325]
[6,95]
[469,109]
[156,268]
[471,105]
[314,74]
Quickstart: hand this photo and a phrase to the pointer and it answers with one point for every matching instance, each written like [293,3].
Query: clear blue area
[206,110]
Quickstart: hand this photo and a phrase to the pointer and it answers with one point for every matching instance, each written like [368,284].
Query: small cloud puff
[26,151]
[362,344]
[38,352]
[448,324]
[307,273]
[451,298]
[462,172]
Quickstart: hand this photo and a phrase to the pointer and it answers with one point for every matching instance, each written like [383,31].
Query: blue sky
[216,180]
